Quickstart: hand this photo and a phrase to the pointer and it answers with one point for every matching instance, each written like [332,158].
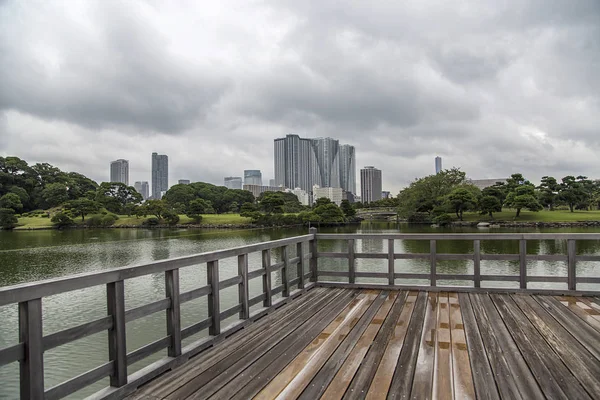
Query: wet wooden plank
[368,368]
[327,373]
[555,380]
[211,380]
[462,376]
[571,352]
[502,353]
[166,384]
[246,385]
[583,332]
[442,372]
[383,377]
[290,382]
[401,385]
[582,310]
[483,379]
[422,387]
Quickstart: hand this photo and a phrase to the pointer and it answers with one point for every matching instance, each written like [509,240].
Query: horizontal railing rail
[433,275]
[311,270]
[32,343]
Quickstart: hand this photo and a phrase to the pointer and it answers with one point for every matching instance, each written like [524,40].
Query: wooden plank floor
[351,344]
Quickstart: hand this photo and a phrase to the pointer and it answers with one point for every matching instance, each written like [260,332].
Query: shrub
[62,220]
[419,218]
[101,220]
[442,219]
[44,216]
[8,220]
[152,221]
[170,217]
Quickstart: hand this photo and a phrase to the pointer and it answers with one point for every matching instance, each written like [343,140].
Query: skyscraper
[119,171]
[306,162]
[232,182]
[142,188]
[438,164]
[370,184]
[252,177]
[183,182]
[160,175]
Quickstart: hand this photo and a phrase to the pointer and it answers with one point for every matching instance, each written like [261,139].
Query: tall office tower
[438,164]
[370,184]
[119,171]
[183,182]
[272,182]
[252,177]
[160,175]
[232,182]
[142,188]
[306,162]
[348,168]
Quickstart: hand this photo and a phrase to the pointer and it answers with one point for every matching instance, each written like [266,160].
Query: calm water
[35,255]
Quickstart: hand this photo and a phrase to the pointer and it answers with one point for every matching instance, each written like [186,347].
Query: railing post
[266,264]
[30,334]
[314,256]
[243,290]
[523,263]
[301,264]
[117,338]
[173,312]
[214,305]
[571,267]
[432,257]
[391,262]
[351,262]
[477,263]
[284,272]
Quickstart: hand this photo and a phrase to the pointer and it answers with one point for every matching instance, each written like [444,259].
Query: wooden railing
[433,275]
[29,351]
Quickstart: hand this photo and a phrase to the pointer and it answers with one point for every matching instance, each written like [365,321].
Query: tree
[461,199]
[55,194]
[523,196]
[548,191]
[571,192]
[170,217]
[498,190]
[8,220]
[347,209]
[248,208]
[272,202]
[155,207]
[321,202]
[62,220]
[82,207]
[489,205]
[197,207]
[116,196]
[329,213]
[12,201]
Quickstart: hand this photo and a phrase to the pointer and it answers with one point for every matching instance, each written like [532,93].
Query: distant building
[346,195]
[160,175]
[370,184]
[272,182]
[386,195]
[142,188]
[438,164]
[233,182]
[336,195]
[183,182]
[357,199]
[302,196]
[483,183]
[256,190]
[252,177]
[119,171]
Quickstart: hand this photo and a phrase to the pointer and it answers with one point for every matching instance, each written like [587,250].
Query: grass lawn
[33,223]
[541,216]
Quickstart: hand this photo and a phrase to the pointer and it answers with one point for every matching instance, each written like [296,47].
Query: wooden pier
[306,336]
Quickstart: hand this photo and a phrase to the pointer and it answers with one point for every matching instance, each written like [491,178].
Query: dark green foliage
[548,192]
[347,209]
[522,196]
[573,191]
[221,199]
[170,217]
[62,220]
[489,205]
[442,219]
[330,213]
[462,198]
[116,196]
[82,207]
[12,201]
[271,202]
[247,209]
[101,220]
[321,201]
[152,221]
[54,195]
[419,218]
[8,220]
[197,207]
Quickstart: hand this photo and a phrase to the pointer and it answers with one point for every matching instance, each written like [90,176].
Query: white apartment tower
[370,184]
[119,171]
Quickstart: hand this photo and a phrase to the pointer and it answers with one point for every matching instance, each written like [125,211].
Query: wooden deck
[344,343]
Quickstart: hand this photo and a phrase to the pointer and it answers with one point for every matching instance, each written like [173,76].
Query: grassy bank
[26,223]
[541,216]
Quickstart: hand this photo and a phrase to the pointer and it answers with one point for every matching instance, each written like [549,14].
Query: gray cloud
[493,88]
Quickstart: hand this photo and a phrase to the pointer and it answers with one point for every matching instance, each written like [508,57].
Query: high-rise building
[302,195]
[438,164]
[119,171]
[142,188]
[252,177]
[370,184]
[386,195]
[336,195]
[183,182]
[272,182]
[232,182]
[256,190]
[160,175]
[303,163]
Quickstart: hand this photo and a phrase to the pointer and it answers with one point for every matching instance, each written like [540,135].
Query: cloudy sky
[493,87]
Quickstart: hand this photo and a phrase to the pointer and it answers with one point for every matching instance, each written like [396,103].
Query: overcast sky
[493,87]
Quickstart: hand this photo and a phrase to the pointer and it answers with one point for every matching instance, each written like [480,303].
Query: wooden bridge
[325,339]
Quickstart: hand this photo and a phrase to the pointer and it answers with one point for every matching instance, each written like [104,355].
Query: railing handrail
[461,236]
[48,287]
